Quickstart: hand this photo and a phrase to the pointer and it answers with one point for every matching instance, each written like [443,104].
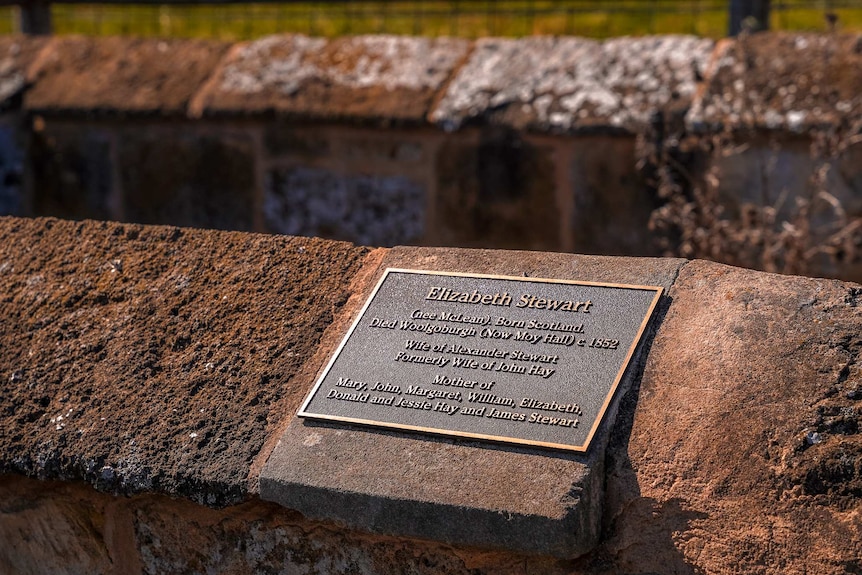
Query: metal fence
[236,20]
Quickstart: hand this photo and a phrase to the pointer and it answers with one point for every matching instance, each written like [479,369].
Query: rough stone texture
[180,176]
[567,84]
[374,78]
[46,529]
[460,492]
[125,75]
[744,454]
[365,209]
[782,81]
[17,55]
[154,358]
[68,528]
[738,452]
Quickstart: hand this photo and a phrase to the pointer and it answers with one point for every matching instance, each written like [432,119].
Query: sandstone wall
[149,371]
[564,144]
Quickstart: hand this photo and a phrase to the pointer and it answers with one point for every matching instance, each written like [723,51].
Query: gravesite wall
[152,376]
[563,144]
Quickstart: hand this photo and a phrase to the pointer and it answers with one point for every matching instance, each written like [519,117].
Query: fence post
[752,15]
[34,17]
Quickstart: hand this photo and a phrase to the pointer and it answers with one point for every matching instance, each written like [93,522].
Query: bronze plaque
[508,359]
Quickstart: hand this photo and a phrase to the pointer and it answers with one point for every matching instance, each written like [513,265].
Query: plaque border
[482,436]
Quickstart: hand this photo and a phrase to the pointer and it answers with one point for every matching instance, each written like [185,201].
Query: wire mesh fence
[465,18]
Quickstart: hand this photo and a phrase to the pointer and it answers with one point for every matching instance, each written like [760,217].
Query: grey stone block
[462,492]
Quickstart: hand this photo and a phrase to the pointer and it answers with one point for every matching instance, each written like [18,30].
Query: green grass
[466,18]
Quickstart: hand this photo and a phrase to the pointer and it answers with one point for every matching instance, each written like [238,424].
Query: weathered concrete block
[284,138]
[496,189]
[12,201]
[176,176]
[458,491]
[163,174]
[17,55]
[570,84]
[366,209]
[385,79]
[72,172]
[764,173]
[363,149]
[611,202]
[125,75]
[761,184]
[781,81]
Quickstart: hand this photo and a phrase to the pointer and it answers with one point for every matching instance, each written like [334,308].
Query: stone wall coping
[19,56]
[559,85]
[384,79]
[791,82]
[136,356]
[152,359]
[120,75]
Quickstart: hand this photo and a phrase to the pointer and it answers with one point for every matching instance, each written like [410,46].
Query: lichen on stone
[560,84]
[365,209]
[285,63]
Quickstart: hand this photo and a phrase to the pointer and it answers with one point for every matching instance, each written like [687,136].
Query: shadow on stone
[637,532]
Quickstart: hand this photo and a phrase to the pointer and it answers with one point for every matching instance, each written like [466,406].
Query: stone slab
[458,491]
[121,75]
[745,452]
[367,78]
[560,85]
[781,81]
